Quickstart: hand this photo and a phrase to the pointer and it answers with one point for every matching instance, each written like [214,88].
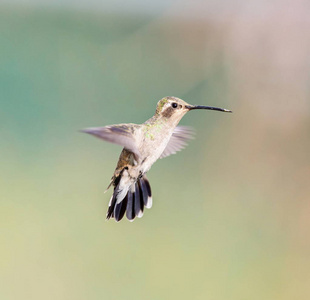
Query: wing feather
[121,134]
[178,140]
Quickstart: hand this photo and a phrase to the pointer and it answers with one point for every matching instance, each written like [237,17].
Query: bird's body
[143,145]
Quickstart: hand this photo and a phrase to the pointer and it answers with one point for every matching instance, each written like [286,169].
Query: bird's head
[173,108]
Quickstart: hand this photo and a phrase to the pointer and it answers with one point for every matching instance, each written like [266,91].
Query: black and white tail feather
[131,200]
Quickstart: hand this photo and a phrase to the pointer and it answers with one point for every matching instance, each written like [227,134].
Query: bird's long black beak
[191,107]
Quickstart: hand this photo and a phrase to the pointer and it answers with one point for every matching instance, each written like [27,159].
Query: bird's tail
[130,199]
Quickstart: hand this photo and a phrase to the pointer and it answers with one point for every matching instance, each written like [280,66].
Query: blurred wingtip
[86,130]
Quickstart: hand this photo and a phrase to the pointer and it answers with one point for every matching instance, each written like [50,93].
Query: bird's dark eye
[174,105]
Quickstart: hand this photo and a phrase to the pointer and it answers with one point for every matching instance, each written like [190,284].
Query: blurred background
[231,212]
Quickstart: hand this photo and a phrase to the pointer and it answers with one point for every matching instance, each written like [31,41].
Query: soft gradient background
[231,212]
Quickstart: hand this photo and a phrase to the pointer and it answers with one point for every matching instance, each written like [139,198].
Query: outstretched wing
[121,134]
[178,140]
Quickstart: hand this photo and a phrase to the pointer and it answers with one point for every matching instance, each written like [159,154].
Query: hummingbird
[143,144]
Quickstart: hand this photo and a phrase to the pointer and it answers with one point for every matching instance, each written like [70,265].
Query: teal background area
[230,217]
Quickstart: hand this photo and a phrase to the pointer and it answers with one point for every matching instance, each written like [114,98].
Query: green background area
[230,217]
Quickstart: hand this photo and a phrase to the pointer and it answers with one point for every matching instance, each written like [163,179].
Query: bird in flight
[143,144]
